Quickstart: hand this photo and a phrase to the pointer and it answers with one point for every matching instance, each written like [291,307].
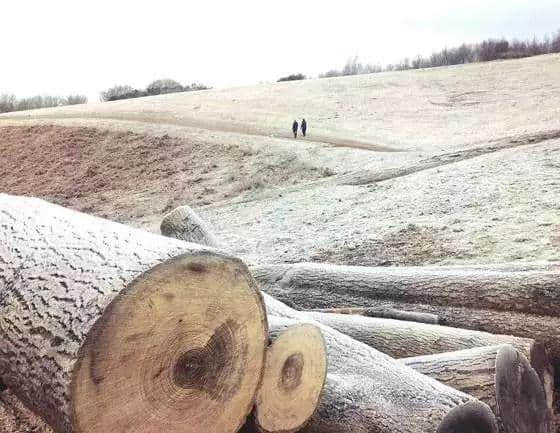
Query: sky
[85,46]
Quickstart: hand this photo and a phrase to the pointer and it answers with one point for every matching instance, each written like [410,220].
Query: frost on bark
[106,328]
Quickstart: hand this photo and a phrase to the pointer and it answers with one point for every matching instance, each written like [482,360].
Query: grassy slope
[425,114]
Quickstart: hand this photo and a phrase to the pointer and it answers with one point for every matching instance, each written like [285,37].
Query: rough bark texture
[16,418]
[385,313]
[184,224]
[529,291]
[501,377]
[367,391]
[62,279]
[315,290]
[401,339]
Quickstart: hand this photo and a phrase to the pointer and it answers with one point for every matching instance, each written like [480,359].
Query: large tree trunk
[104,328]
[532,291]
[367,390]
[501,377]
[400,339]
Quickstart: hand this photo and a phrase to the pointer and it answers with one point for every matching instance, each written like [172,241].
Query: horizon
[248,48]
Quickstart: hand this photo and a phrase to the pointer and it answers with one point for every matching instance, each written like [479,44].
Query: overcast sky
[85,46]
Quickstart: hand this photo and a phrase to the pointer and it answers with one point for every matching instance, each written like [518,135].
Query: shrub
[163,86]
[121,92]
[292,77]
[157,87]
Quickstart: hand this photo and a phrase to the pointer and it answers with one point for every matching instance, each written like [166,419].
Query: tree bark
[16,418]
[106,328]
[532,291]
[385,313]
[367,390]
[501,377]
[294,375]
[305,287]
[400,339]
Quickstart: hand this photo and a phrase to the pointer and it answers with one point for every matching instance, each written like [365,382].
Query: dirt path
[163,118]
[368,176]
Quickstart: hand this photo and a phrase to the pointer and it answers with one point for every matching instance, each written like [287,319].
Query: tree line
[157,87]
[9,102]
[485,51]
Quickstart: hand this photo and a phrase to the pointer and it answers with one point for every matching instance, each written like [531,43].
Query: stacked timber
[519,390]
[107,328]
[520,301]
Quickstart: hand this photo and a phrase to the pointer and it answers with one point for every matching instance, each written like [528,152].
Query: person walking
[295,128]
[303,127]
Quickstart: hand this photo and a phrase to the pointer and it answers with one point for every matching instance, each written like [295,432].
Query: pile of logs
[106,328]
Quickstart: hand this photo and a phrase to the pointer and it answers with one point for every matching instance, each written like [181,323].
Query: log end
[520,394]
[294,376]
[180,350]
[471,417]
[540,361]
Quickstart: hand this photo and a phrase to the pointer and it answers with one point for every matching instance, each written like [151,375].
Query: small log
[294,374]
[501,377]
[104,328]
[183,223]
[386,313]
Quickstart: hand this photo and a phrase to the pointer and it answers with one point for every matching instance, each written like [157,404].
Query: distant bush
[485,51]
[157,87]
[195,86]
[292,77]
[163,86]
[121,92]
[10,103]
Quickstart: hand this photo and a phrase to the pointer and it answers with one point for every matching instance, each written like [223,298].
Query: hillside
[437,166]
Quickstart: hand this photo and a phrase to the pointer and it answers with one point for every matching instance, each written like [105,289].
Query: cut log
[304,287]
[184,224]
[532,291]
[400,339]
[366,390]
[294,375]
[501,377]
[385,313]
[104,328]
